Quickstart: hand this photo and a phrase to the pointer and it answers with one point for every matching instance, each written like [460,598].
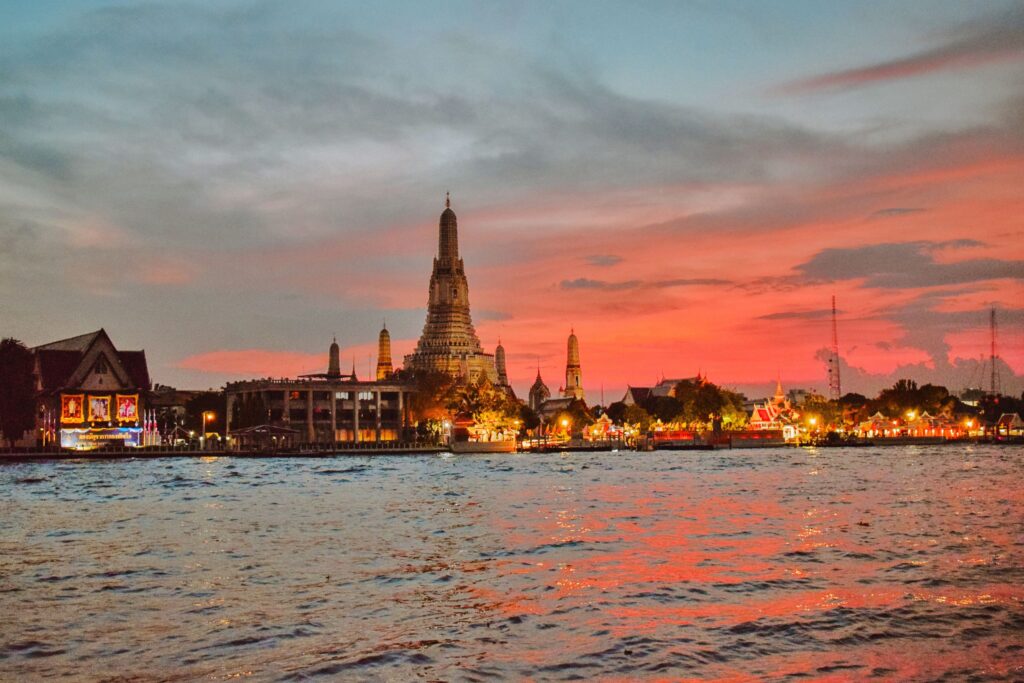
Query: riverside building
[91,395]
[322,408]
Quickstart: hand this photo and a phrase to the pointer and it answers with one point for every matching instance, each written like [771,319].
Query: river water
[831,564]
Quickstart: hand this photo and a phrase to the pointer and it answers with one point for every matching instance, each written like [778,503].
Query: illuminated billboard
[127,408]
[99,409]
[89,439]
[72,408]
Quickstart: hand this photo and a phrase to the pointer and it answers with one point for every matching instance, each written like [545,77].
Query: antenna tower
[835,389]
[994,381]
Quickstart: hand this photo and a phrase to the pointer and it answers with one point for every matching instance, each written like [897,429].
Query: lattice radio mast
[835,388]
[994,381]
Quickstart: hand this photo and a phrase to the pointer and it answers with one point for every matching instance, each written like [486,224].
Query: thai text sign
[88,439]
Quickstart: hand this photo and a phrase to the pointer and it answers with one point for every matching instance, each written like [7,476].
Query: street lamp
[207,415]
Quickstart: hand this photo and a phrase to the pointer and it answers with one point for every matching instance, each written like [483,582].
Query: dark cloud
[896,211]
[689,282]
[603,260]
[587,283]
[973,44]
[902,265]
[819,314]
[484,314]
[253,123]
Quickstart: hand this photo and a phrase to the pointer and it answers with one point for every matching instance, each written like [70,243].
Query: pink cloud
[978,47]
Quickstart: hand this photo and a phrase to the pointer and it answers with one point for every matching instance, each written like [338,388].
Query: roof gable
[89,361]
[100,367]
[81,343]
[636,395]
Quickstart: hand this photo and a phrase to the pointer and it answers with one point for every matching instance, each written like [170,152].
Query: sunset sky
[686,184]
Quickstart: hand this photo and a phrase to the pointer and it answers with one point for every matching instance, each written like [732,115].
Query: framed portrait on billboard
[72,408]
[99,409]
[127,408]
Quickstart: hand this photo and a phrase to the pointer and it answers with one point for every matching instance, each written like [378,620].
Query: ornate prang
[449,342]
[573,375]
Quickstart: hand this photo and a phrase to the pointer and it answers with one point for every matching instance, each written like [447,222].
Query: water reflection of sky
[835,565]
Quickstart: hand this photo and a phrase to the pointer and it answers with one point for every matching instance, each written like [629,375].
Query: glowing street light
[207,415]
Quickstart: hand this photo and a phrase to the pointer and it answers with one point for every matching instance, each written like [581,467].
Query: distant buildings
[774,414]
[1009,424]
[332,407]
[320,408]
[638,396]
[552,411]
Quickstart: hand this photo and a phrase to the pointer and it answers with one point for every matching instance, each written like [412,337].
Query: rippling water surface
[836,564]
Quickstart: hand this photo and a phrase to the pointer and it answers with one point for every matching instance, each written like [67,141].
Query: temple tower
[573,375]
[384,368]
[539,393]
[499,364]
[449,343]
[334,360]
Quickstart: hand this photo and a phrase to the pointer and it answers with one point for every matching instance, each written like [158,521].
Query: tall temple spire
[448,236]
[334,360]
[499,364]
[539,392]
[573,374]
[384,368]
[449,343]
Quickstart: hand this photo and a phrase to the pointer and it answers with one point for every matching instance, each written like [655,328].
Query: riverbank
[417,448]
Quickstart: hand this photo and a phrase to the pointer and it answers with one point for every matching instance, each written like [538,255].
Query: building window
[102,367]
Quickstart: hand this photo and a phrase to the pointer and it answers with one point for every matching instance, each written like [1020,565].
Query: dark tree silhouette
[17,390]
[205,402]
[528,417]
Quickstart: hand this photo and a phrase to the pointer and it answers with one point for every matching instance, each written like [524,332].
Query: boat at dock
[505,446]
